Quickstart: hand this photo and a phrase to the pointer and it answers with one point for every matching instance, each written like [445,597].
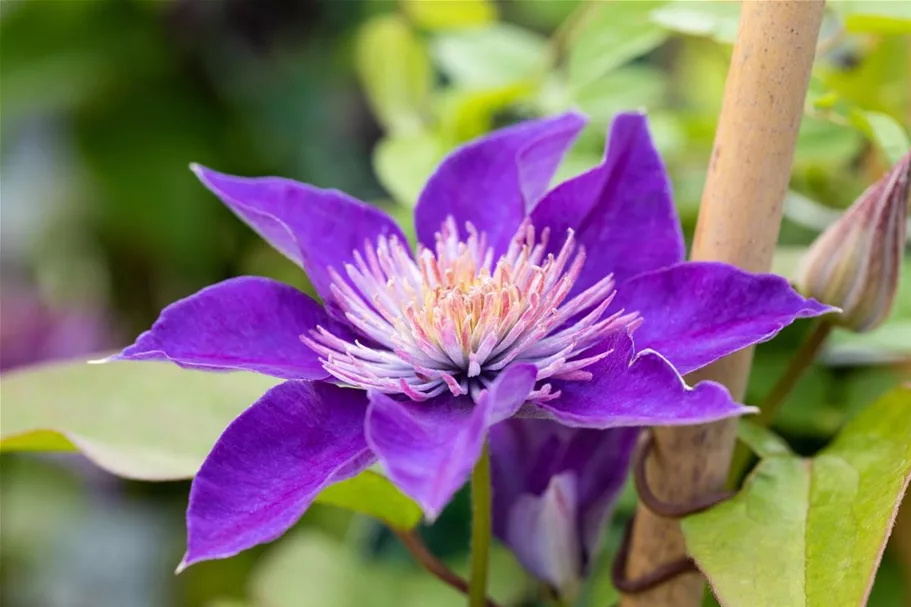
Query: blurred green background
[106,102]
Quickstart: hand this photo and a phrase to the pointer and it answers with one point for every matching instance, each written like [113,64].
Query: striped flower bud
[856,262]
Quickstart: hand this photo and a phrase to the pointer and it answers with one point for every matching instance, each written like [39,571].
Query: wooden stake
[739,220]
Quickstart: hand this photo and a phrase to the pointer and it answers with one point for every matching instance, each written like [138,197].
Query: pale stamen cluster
[451,320]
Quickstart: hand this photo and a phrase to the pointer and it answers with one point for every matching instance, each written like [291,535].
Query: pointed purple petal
[429,449]
[622,210]
[698,312]
[541,531]
[546,476]
[629,389]
[493,181]
[316,229]
[269,465]
[247,323]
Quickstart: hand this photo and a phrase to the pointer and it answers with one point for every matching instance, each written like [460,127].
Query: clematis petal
[541,530]
[494,180]
[637,389]
[247,323]
[559,483]
[697,312]
[602,460]
[316,229]
[429,449]
[622,210]
[270,464]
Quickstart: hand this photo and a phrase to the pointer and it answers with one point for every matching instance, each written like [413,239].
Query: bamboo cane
[739,220]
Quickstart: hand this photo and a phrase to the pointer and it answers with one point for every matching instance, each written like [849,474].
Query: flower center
[451,320]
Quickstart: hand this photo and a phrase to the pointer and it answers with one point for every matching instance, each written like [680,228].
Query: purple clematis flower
[520,302]
[554,490]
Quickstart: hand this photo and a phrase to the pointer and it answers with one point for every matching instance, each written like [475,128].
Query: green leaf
[761,441]
[624,89]
[715,19]
[616,33]
[155,421]
[466,114]
[489,57]
[875,16]
[810,532]
[394,69]
[142,420]
[450,15]
[330,574]
[228,603]
[403,164]
[820,142]
[886,132]
[372,494]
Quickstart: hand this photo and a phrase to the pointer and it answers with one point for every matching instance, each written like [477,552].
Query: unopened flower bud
[855,264]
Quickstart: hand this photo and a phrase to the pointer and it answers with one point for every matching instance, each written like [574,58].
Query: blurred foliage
[105,103]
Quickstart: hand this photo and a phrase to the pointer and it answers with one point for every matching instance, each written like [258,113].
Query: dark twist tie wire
[668,571]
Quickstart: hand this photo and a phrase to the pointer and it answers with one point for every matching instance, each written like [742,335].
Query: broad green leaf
[394,69]
[810,532]
[143,420]
[716,19]
[155,421]
[436,15]
[310,568]
[875,16]
[403,164]
[372,494]
[490,57]
[886,132]
[616,33]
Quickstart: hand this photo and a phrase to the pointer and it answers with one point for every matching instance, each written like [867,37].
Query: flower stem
[801,361]
[422,555]
[480,529]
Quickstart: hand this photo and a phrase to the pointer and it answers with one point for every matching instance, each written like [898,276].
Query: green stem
[772,403]
[480,530]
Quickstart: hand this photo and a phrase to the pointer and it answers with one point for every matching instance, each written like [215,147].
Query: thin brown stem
[431,563]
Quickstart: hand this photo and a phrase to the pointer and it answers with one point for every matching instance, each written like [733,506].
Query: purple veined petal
[429,448]
[270,463]
[541,530]
[546,475]
[315,228]
[637,389]
[493,181]
[602,458]
[622,210]
[247,323]
[698,312]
